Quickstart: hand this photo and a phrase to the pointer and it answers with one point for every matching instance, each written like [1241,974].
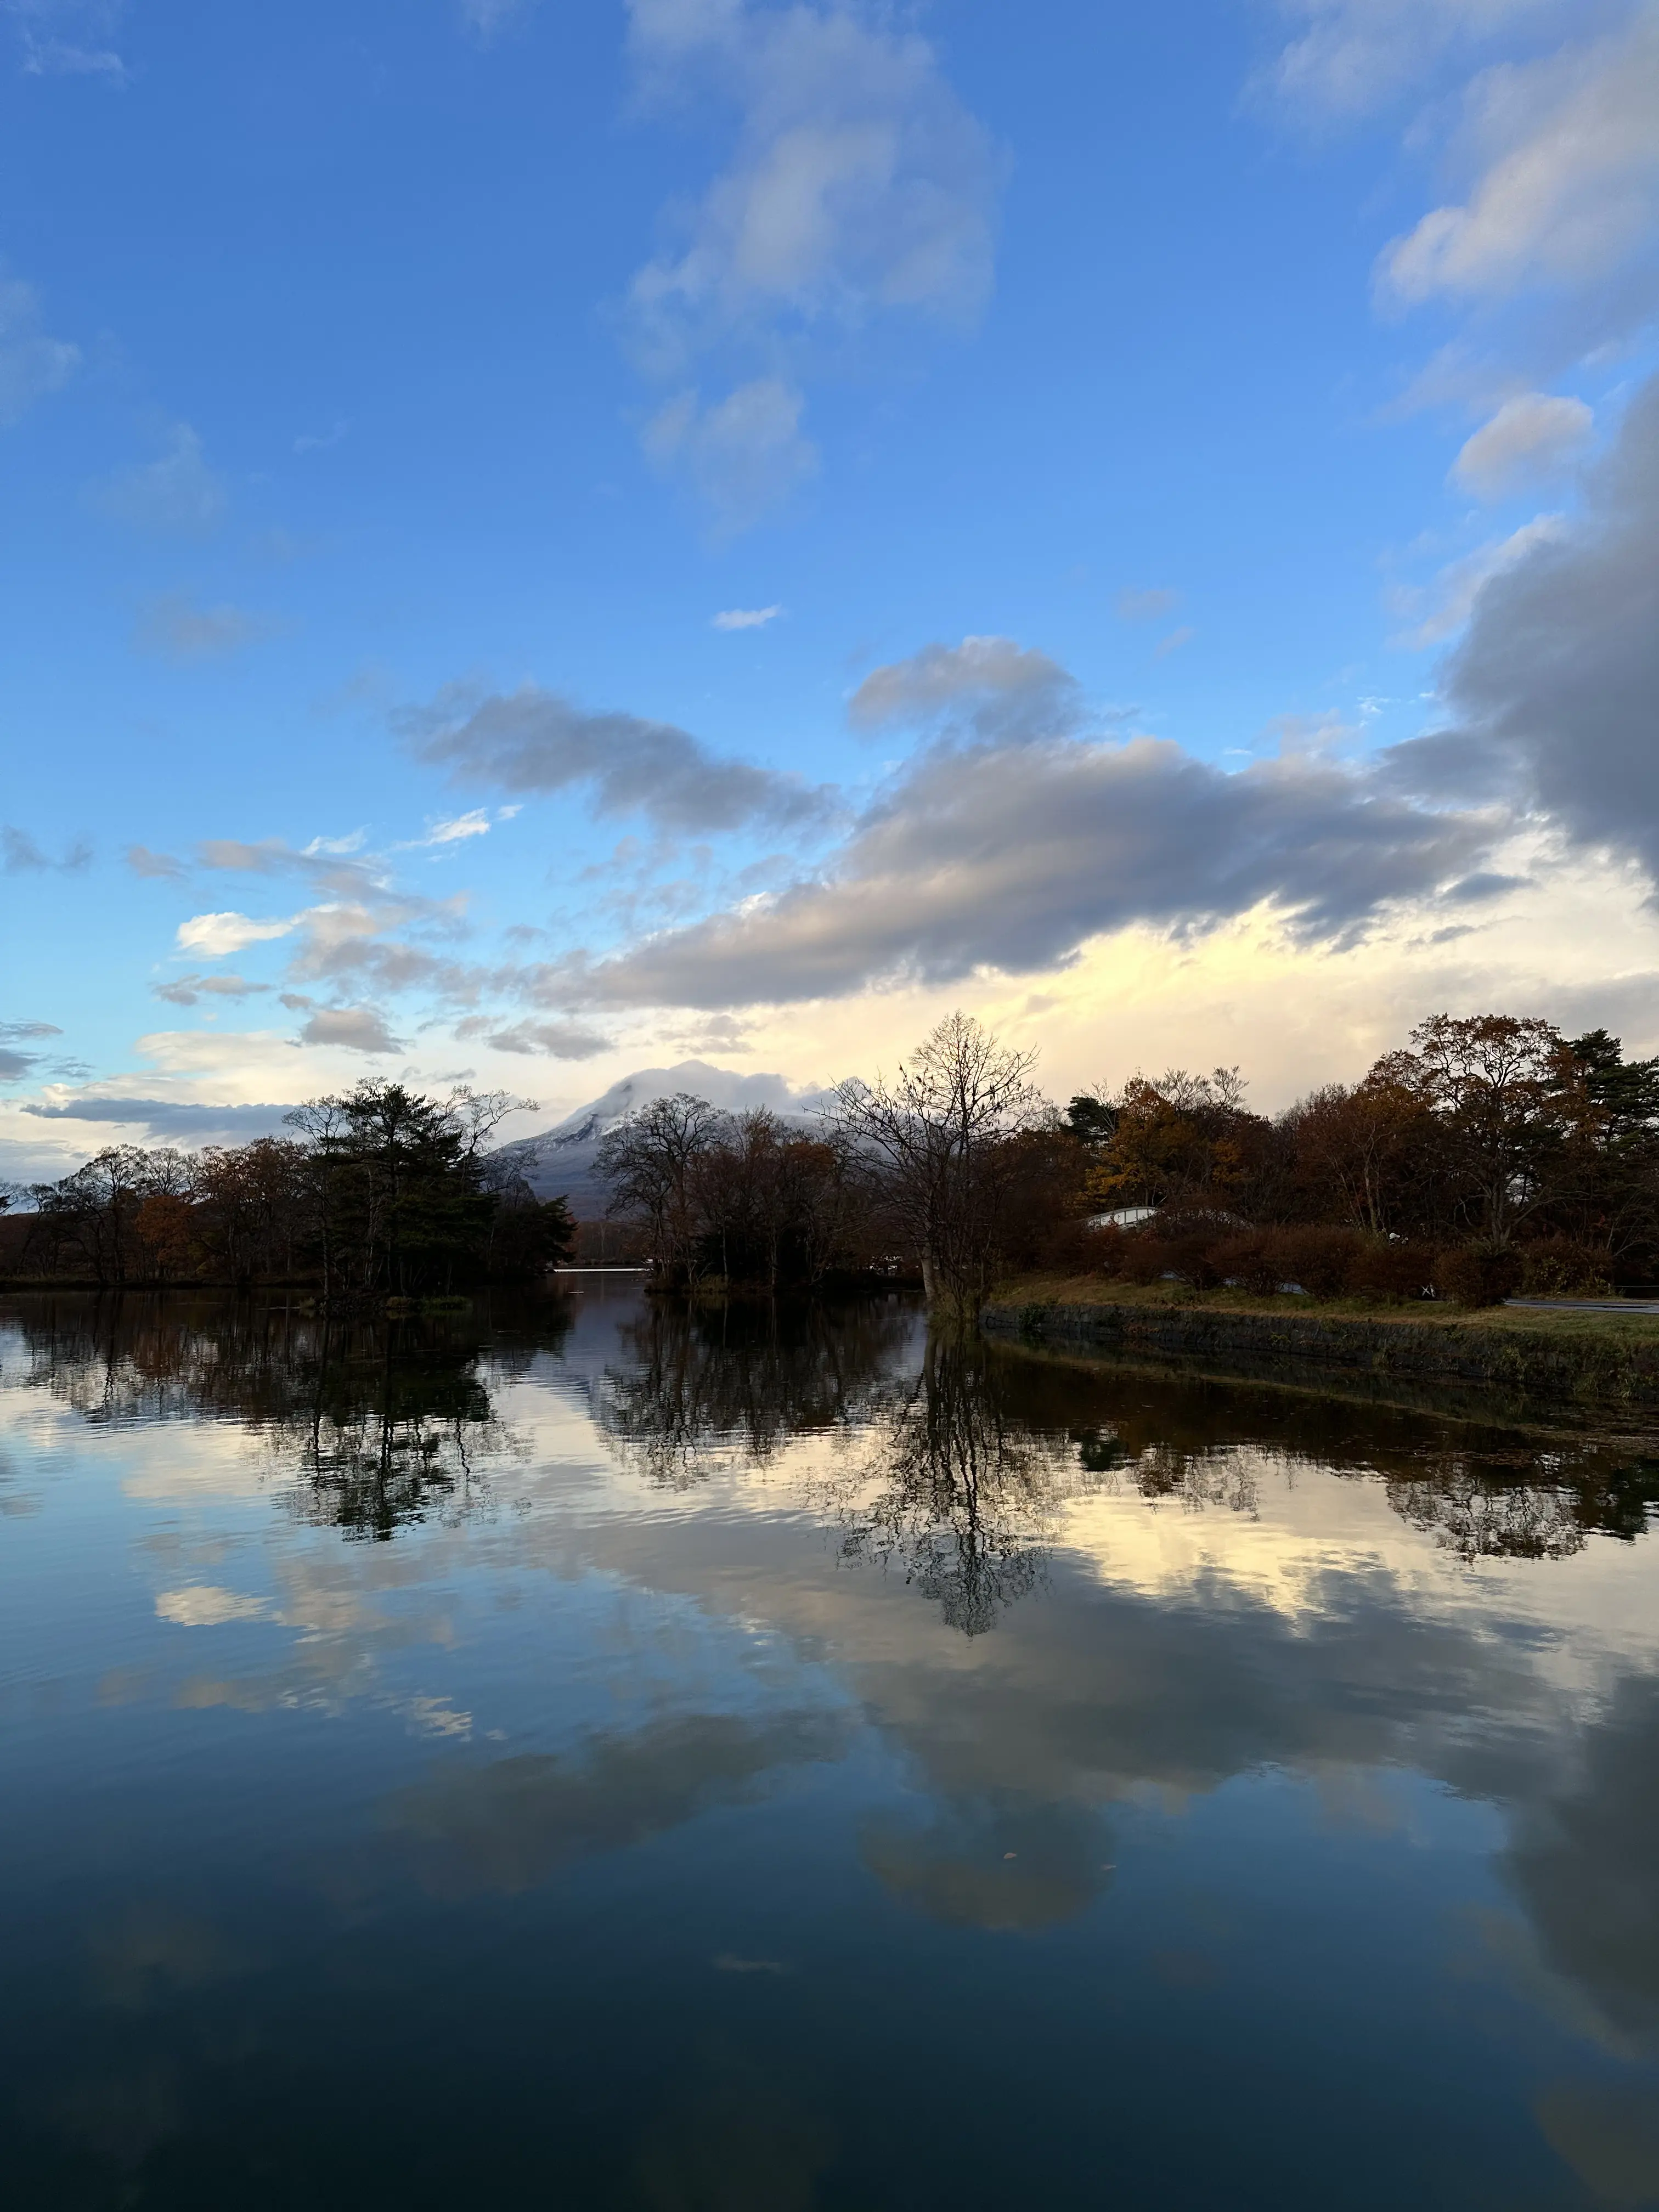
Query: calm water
[569,1755]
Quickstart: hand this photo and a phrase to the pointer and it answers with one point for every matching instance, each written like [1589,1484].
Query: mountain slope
[558,1163]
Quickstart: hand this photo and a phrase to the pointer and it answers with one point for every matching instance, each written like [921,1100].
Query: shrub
[1078,1248]
[1562,1268]
[1403,1270]
[1110,1254]
[1145,1258]
[1322,1260]
[1478,1274]
[1193,1258]
[1253,1259]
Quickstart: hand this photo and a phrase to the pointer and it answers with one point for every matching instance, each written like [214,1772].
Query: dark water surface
[572,1754]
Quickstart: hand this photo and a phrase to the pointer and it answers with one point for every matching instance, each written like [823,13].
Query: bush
[1193,1258]
[1322,1260]
[1078,1248]
[1562,1268]
[1110,1254]
[1478,1274]
[1254,1260]
[1388,1271]
[1145,1258]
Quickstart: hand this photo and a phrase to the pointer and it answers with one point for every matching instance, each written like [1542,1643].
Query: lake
[583,1753]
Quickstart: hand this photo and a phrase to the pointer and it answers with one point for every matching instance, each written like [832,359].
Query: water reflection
[384,1421]
[739,1702]
[743,1379]
[954,1491]
[1483,1490]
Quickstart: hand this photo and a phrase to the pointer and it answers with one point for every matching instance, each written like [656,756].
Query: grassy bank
[1600,1362]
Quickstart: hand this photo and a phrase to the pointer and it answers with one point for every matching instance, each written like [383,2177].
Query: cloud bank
[1014,836]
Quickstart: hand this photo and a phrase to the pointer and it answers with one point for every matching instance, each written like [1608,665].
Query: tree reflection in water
[394,1432]
[709,1384]
[387,1421]
[957,1472]
[1481,1491]
[956,1491]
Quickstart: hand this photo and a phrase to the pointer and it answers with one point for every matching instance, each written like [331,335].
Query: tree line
[1491,1153]
[1488,1154]
[380,1193]
[948,1172]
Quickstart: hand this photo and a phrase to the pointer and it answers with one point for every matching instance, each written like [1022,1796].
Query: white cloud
[744,454]
[860,181]
[1352,55]
[31,364]
[215,935]
[1445,607]
[177,491]
[59,38]
[1559,667]
[1534,434]
[1565,153]
[746,618]
[859,189]
[175,627]
[1174,642]
[454,832]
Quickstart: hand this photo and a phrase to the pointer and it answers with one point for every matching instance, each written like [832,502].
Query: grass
[1098,1290]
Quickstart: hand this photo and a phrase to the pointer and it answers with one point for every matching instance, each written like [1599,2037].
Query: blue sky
[545,538]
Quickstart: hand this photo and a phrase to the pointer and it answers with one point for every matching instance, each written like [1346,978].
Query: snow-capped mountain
[558,1163]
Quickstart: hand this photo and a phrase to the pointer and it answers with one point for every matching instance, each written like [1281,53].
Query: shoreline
[1526,1360]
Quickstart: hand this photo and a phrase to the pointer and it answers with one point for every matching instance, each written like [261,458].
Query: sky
[548,537]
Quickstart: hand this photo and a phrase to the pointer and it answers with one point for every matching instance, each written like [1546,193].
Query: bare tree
[937,1142]
[651,1163]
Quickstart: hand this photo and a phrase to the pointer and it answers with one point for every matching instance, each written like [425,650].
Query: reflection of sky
[1270,1691]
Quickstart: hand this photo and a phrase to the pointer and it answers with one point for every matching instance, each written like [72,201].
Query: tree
[1185,1142]
[1497,1085]
[401,1195]
[651,1163]
[94,1212]
[1369,1156]
[1092,1117]
[254,1206]
[936,1144]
